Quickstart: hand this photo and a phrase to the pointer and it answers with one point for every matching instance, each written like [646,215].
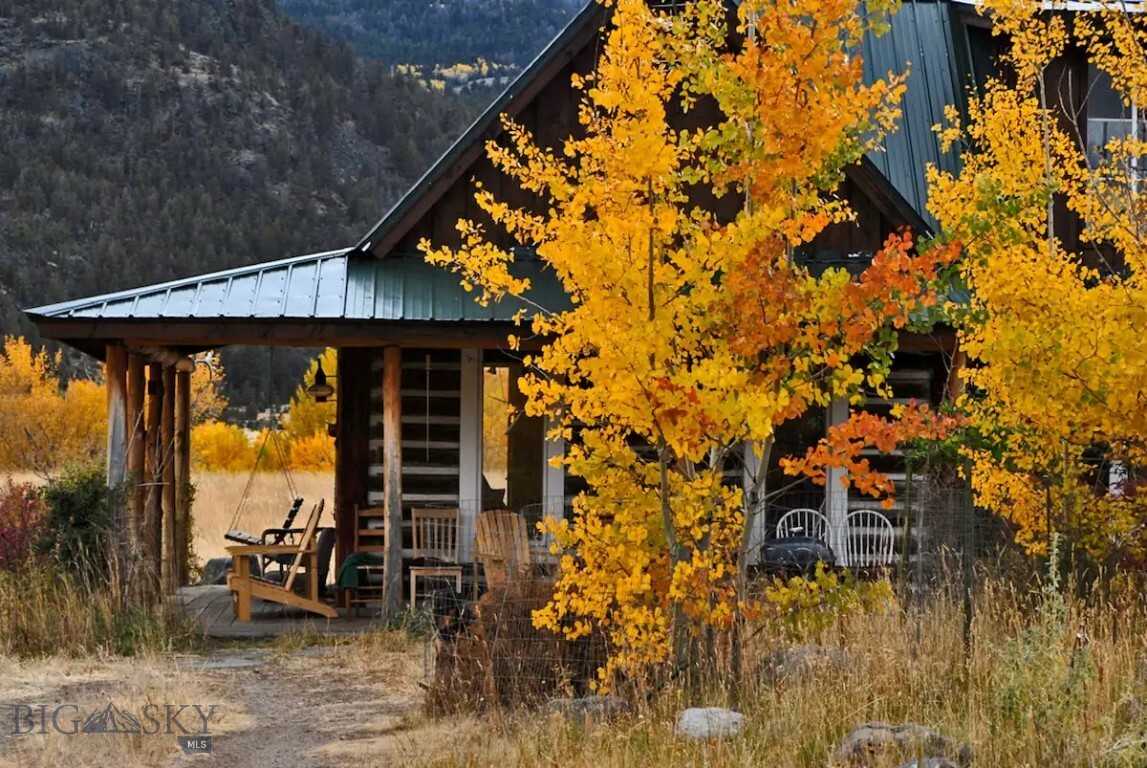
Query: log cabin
[421,364]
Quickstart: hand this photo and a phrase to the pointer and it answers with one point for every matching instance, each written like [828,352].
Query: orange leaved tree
[692,334]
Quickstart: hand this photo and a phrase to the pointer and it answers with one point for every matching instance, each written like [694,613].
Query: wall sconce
[320,389]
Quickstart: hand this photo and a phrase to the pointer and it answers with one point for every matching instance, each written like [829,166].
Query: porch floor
[210,608]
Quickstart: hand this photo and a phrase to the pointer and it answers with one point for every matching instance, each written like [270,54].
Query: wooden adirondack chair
[503,546]
[244,586]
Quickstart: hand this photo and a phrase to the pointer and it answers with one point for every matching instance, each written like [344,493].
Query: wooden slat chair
[436,546]
[803,522]
[245,586]
[869,540]
[502,546]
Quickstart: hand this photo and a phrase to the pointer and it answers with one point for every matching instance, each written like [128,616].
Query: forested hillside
[142,140]
[446,32]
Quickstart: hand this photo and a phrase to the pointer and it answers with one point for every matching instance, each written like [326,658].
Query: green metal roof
[335,285]
[920,41]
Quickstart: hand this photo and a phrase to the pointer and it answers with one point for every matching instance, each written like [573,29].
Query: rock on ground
[709,723]
[864,743]
[931,762]
[589,707]
[801,662]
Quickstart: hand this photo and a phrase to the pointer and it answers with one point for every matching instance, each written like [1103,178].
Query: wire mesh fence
[935,550]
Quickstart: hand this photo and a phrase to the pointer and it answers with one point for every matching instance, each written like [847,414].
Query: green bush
[80,509]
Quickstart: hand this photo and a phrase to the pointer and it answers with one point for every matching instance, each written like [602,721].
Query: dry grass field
[217,496]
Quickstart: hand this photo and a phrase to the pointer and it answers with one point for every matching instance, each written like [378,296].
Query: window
[1109,118]
[512,443]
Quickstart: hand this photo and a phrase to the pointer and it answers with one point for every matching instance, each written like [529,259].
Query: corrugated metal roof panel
[327,286]
[920,41]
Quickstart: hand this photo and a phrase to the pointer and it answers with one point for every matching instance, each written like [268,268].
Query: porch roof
[334,285]
[335,298]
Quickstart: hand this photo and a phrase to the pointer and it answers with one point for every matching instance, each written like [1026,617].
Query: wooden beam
[392,474]
[182,463]
[136,453]
[190,335]
[168,567]
[115,380]
[152,528]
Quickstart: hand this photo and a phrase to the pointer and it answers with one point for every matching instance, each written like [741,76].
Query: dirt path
[357,703]
[319,707]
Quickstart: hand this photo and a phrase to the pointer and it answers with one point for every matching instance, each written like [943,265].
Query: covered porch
[421,368]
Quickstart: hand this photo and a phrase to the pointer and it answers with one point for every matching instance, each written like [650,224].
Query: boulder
[864,743]
[803,662]
[699,723]
[589,707]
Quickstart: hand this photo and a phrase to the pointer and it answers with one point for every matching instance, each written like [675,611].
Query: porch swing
[274,536]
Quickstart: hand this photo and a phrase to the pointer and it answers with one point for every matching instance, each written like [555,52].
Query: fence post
[906,547]
[968,559]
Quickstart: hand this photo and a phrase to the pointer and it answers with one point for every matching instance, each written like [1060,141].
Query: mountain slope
[141,140]
[447,32]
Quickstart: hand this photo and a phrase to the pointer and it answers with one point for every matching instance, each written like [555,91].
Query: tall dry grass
[1038,688]
[217,495]
[44,612]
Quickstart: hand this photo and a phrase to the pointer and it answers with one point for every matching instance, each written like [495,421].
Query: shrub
[21,520]
[79,510]
[806,607]
[46,612]
[220,447]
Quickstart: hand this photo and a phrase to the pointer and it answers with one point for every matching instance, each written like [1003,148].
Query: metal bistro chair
[435,546]
[803,522]
[869,539]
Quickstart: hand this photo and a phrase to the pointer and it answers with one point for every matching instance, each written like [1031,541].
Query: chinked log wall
[429,421]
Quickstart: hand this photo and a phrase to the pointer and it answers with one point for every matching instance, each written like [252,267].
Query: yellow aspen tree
[690,335]
[1055,336]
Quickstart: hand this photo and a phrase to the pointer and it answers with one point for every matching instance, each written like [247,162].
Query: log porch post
[153,509]
[352,443]
[136,453]
[168,567]
[392,474]
[115,377]
[182,464]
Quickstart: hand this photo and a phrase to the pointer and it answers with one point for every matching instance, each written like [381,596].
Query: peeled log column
[115,384]
[167,454]
[136,454]
[182,464]
[392,474]
[153,509]
[115,377]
